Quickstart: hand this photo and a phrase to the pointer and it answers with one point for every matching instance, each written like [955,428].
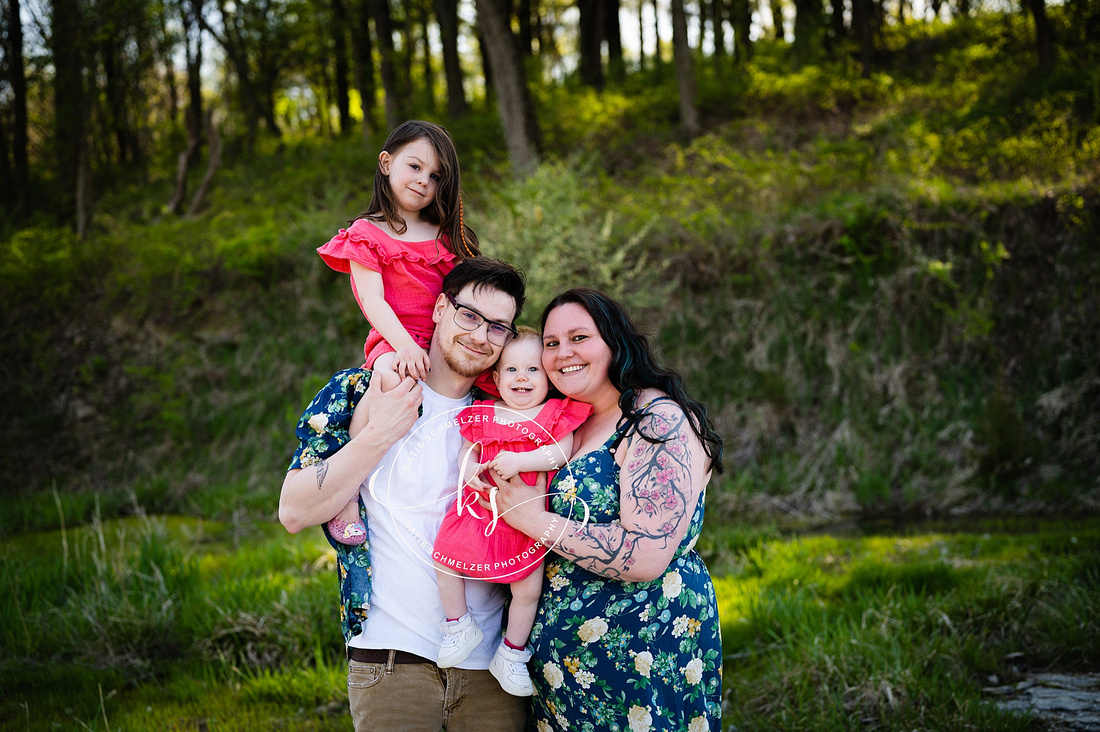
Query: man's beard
[464,366]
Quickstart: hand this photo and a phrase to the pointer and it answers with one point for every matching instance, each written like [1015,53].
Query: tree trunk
[190,11]
[685,74]
[808,22]
[18,75]
[718,23]
[837,29]
[613,34]
[387,67]
[446,13]
[656,35]
[526,38]
[1044,36]
[211,165]
[83,190]
[70,104]
[340,63]
[364,62]
[509,80]
[777,19]
[257,100]
[405,55]
[861,24]
[741,17]
[183,167]
[426,57]
[591,42]
[641,36]
[486,67]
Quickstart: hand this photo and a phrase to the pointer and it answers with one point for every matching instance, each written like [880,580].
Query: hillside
[885,288]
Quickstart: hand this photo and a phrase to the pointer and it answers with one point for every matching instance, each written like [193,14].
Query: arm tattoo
[656,486]
[322,471]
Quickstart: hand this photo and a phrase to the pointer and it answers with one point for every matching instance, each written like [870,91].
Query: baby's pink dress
[505,555]
[412,275]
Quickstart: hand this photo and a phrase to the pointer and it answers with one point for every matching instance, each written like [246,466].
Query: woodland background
[866,231]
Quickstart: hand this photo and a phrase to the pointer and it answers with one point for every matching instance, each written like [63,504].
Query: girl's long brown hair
[446,209]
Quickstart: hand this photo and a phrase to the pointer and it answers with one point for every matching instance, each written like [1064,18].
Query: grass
[172,623]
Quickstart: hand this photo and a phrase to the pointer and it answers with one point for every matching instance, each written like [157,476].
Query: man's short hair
[482,272]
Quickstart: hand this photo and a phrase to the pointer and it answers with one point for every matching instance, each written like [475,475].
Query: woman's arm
[659,486]
[372,298]
[313,495]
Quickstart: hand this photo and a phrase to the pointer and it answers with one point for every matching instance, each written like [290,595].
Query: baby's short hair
[526,331]
[523,332]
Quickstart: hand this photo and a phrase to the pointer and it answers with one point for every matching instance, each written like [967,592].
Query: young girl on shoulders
[397,252]
[523,432]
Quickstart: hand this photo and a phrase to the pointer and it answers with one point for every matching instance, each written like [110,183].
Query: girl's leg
[346,527]
[460,633]
[383,369]
[452,591]
[509,664]
[525,603]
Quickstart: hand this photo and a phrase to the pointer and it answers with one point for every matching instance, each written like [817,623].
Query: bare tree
[685,72]
[513,98]
[741,19]
[340,63]
[387,67]
[613,36]
[590,30]
[255,37]
[17,76]
[1044,35]
[446,13]
[861,24]
[364,61]
[67,26]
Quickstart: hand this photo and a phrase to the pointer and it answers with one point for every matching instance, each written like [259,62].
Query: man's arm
[313,495]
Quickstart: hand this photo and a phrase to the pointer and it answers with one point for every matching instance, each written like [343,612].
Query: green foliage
[842,267]
[547,226]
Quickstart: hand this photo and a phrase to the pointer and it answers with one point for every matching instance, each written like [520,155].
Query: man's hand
[387,414]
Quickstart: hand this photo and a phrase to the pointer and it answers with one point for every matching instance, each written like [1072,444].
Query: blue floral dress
[612,655]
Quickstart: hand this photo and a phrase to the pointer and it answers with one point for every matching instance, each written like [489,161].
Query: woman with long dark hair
[627,632]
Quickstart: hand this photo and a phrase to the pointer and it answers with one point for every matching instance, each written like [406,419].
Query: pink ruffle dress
[412,275]
[466,544]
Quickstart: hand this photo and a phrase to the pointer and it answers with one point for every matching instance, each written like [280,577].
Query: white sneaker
[509,667]
[460,638]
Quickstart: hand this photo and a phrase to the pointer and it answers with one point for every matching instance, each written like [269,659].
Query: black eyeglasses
[469,319]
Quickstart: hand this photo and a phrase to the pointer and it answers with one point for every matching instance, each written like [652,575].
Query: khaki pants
[420,697]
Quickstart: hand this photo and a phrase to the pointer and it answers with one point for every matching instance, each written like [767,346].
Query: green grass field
[158,623]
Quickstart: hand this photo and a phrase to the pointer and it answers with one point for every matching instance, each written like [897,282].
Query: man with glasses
[405,469]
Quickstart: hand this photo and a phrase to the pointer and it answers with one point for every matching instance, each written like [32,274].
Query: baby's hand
[506,465]
[412,361]
[475,483]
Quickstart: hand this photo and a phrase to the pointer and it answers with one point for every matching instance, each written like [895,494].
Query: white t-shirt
[406,498]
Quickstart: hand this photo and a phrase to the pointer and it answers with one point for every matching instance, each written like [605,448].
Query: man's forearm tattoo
[322,471]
